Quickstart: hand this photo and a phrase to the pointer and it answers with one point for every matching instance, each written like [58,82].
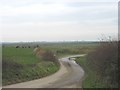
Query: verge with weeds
[101,66]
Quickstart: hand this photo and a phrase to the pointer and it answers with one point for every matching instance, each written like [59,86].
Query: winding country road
[70,75]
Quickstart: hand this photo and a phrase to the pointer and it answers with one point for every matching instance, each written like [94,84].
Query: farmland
[21,64]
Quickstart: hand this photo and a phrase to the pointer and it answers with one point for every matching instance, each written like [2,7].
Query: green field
[20,64]
[60,47]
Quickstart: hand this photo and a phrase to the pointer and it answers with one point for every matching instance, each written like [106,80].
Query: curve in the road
[70,75]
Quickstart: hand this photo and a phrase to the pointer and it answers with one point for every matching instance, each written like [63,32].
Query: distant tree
[17,46]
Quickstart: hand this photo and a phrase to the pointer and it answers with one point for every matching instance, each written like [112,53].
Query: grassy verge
[20,64]
[91,78]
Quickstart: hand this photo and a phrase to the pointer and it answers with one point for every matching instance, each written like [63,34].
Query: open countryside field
[100,62]
[60,48]
[21,64]
[59,44]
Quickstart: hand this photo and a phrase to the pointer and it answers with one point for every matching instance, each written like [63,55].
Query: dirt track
[70,75]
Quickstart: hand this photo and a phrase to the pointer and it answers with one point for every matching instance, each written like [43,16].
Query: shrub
[105,61]
[17,46]
[49,56]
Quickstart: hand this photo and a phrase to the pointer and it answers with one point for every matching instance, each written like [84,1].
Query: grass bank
[20,64]
[91,79]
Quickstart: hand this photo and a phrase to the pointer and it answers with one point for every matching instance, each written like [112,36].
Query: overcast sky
[57,20]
